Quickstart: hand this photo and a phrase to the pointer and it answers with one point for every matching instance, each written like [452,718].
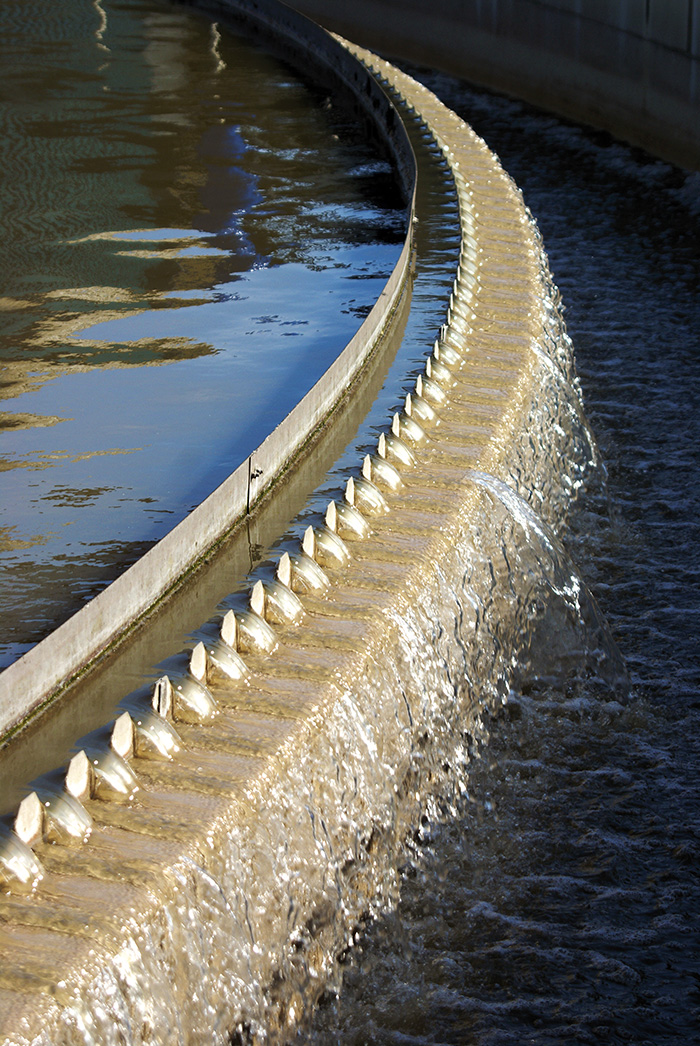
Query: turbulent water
[171,199]
[551,891]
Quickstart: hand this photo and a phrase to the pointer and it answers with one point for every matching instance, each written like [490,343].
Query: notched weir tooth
[99,773]
[20,869]
[186,691]
[257,599]
[469,253]
[430,391]
[381,472]
[301,574]
[122,736]
[29,820]
[154,736]
[229,629]
[447,354]
[162,698]
[306,576]
[420,410]
[407,428]
[275,602]
[308,543]
[284,570]
[466,286]
[437,371]
[222,660]
[254,633]
[393,449]
[466,273]
[461,310]
[346,521]
[63,819]
[442,334]
[458,322]
[467,279]
[99,769]
[469,264]
[185,697]
[80,781]
[365,496]
[325,547]
[198,663]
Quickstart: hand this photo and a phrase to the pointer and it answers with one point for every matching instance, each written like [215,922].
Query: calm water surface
[558,900]
[191,233]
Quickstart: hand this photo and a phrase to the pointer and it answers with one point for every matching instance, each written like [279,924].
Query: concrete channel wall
[32,681]
[631,67]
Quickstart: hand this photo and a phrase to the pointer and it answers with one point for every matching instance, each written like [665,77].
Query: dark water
[191,233]
[558,899]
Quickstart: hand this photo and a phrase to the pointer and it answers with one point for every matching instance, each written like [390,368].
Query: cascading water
[506,605]
[281,873]
[483,620]
[555,898]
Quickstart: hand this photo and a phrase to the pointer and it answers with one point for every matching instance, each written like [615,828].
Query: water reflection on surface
[171,195]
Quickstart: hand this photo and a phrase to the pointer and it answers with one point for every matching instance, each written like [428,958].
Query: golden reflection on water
[8,543]
[53,460]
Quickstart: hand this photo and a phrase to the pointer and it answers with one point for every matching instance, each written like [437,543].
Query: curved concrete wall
[36,678]
[629,66]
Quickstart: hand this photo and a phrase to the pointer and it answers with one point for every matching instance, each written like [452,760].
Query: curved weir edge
[36,679]
[174,920]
